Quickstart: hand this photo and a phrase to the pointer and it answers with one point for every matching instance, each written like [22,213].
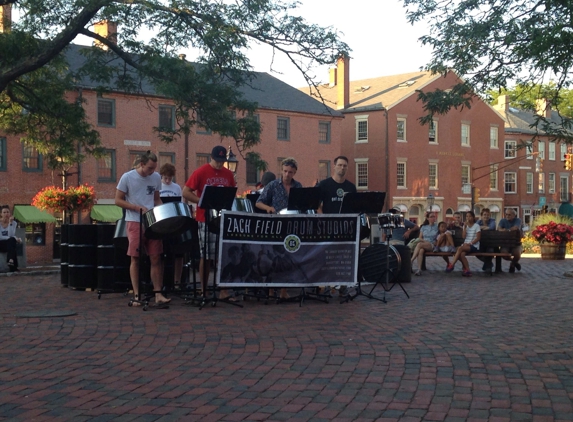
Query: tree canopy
[494,44]
[35,76]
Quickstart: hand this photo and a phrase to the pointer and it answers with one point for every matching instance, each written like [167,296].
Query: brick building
[293,124]
[418,166]
[534,175]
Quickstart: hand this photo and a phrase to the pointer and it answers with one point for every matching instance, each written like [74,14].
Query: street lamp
[430,201]
[232,161]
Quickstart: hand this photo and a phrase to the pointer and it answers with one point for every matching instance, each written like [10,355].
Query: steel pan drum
[285,211]
[120,236]
[243,205]
[167,220]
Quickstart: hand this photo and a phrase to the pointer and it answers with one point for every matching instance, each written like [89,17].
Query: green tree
[493,44]
[206,92]
[524,97]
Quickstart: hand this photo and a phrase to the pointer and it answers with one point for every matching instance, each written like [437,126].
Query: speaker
[372,263]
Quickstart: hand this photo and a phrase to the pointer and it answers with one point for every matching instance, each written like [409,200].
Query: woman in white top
[8,239]
[471,235]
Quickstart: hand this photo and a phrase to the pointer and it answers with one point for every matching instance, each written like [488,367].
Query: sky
[382,41]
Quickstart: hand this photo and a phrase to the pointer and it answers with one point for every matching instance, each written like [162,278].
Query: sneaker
[518,266]
[466,273]
[418,272]
[449,268]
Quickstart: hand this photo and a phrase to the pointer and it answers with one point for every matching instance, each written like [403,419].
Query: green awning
[28,214]
[106,213]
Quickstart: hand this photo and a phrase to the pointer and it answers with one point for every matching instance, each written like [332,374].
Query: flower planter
[553,251]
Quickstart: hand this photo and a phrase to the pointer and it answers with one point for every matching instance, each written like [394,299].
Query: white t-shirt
[173,189]
[139,190]
[471,233]
[8,232]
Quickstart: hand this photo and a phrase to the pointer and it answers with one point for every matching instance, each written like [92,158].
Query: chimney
[5,18]
[543,107]
[107,30]
[332,74]
[502,103]
[343,73]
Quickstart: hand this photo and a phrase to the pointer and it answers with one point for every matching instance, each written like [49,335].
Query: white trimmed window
[493,177]
[541,149]
[494,137]
[361,128]
[551,151]
[433,176]
[551,181]
[401,130]
[509,149]
[466,174]
[564,188]
[541,184]
[529,183]
[465,134]
[433,132]
[529,151]
[401,174]
[563,151]
[510,182]
[361,173]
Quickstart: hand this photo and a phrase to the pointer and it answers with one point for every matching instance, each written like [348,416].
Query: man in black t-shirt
[333,189]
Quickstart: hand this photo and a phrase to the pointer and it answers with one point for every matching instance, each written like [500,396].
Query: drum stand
[213,299]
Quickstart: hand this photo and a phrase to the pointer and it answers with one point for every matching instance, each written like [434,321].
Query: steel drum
[167,220]
[214,218]
[285,211]
[242,205]
[120,236]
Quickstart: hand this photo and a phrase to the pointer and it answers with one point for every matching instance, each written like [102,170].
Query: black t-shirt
[332,193]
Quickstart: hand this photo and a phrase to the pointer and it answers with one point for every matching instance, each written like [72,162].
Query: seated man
[510,223]
[486,223]
[402,235]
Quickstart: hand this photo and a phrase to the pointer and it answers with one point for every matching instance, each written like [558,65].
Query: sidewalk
[480,348]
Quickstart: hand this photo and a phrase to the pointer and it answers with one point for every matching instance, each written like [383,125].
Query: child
[471,236]
[444,241]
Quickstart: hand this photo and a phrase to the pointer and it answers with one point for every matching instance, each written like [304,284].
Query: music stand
[167,199]
[362,203]
[215,198]
[303,199]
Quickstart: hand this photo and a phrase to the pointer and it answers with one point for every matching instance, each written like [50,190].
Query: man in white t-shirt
[138,191]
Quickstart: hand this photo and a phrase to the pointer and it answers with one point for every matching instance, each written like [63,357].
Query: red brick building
[416,165]
[534,175]
[293,124]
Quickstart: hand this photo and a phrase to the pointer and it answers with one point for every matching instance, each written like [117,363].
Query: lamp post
[430,201]
[232,163]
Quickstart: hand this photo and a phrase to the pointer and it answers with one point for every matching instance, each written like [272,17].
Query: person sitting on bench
[472,235]
[510,223]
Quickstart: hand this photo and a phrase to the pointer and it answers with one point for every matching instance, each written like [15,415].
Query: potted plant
[553,236]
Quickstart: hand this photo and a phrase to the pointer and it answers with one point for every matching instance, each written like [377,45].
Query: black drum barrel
[82,256]
[64,255]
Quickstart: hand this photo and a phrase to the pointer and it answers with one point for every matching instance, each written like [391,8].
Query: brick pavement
[459,349]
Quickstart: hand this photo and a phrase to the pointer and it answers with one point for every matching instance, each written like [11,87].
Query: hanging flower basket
[73,199]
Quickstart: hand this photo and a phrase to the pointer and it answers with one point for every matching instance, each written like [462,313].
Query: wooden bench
[490,240]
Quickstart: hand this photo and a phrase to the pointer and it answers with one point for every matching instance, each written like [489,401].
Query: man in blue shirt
[275,195]
[511,223]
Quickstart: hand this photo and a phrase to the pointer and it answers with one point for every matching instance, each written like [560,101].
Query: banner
[293,250]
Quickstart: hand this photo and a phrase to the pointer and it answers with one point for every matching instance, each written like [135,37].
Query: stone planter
[553,251]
